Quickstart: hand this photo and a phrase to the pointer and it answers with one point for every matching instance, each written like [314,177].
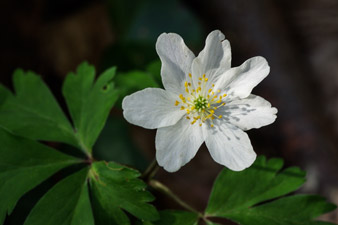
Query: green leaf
[134,81]
[116,188]
[33,110]
[235,195]
[23,165]
[89,103]
[4,94]
[262,181]
[67,203]
[176,217]
[292,210]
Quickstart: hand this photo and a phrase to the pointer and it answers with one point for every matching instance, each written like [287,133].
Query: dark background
[298,38]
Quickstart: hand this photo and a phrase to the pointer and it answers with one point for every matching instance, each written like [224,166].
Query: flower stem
[150,171]
[165,190]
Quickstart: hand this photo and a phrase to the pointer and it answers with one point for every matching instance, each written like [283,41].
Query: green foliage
[67,203]
[107,193]
[89,104]
[154,69]
[236,194]
[31,114]
[23,165]
[116,187]
[175,217]
[292,210]
[33,110]
[134,81]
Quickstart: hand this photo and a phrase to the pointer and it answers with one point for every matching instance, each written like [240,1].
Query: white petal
[239,81]
[178,144]
[216,57]
[248,113]
[176,61]
[230,146]
[151,108]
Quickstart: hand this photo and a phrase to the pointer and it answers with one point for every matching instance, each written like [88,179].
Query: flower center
[200,103]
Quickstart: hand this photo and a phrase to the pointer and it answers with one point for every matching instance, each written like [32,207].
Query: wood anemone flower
[204,100]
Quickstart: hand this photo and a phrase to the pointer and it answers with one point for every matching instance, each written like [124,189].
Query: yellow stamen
[200,103]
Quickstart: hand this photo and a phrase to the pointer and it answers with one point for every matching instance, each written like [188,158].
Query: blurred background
[298,38]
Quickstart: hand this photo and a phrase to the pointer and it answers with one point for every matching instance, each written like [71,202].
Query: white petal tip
[243,165]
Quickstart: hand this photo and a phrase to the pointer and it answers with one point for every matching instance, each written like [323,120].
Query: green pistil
[200,103]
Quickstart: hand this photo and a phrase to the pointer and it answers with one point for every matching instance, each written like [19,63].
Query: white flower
[205,100]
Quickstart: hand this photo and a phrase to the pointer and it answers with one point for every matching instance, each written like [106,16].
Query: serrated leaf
[176,217]
[23,165]
[235,195]
[67,203]
[89,103]
[262,181]
[33,110]
[116,188]
[292,210]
